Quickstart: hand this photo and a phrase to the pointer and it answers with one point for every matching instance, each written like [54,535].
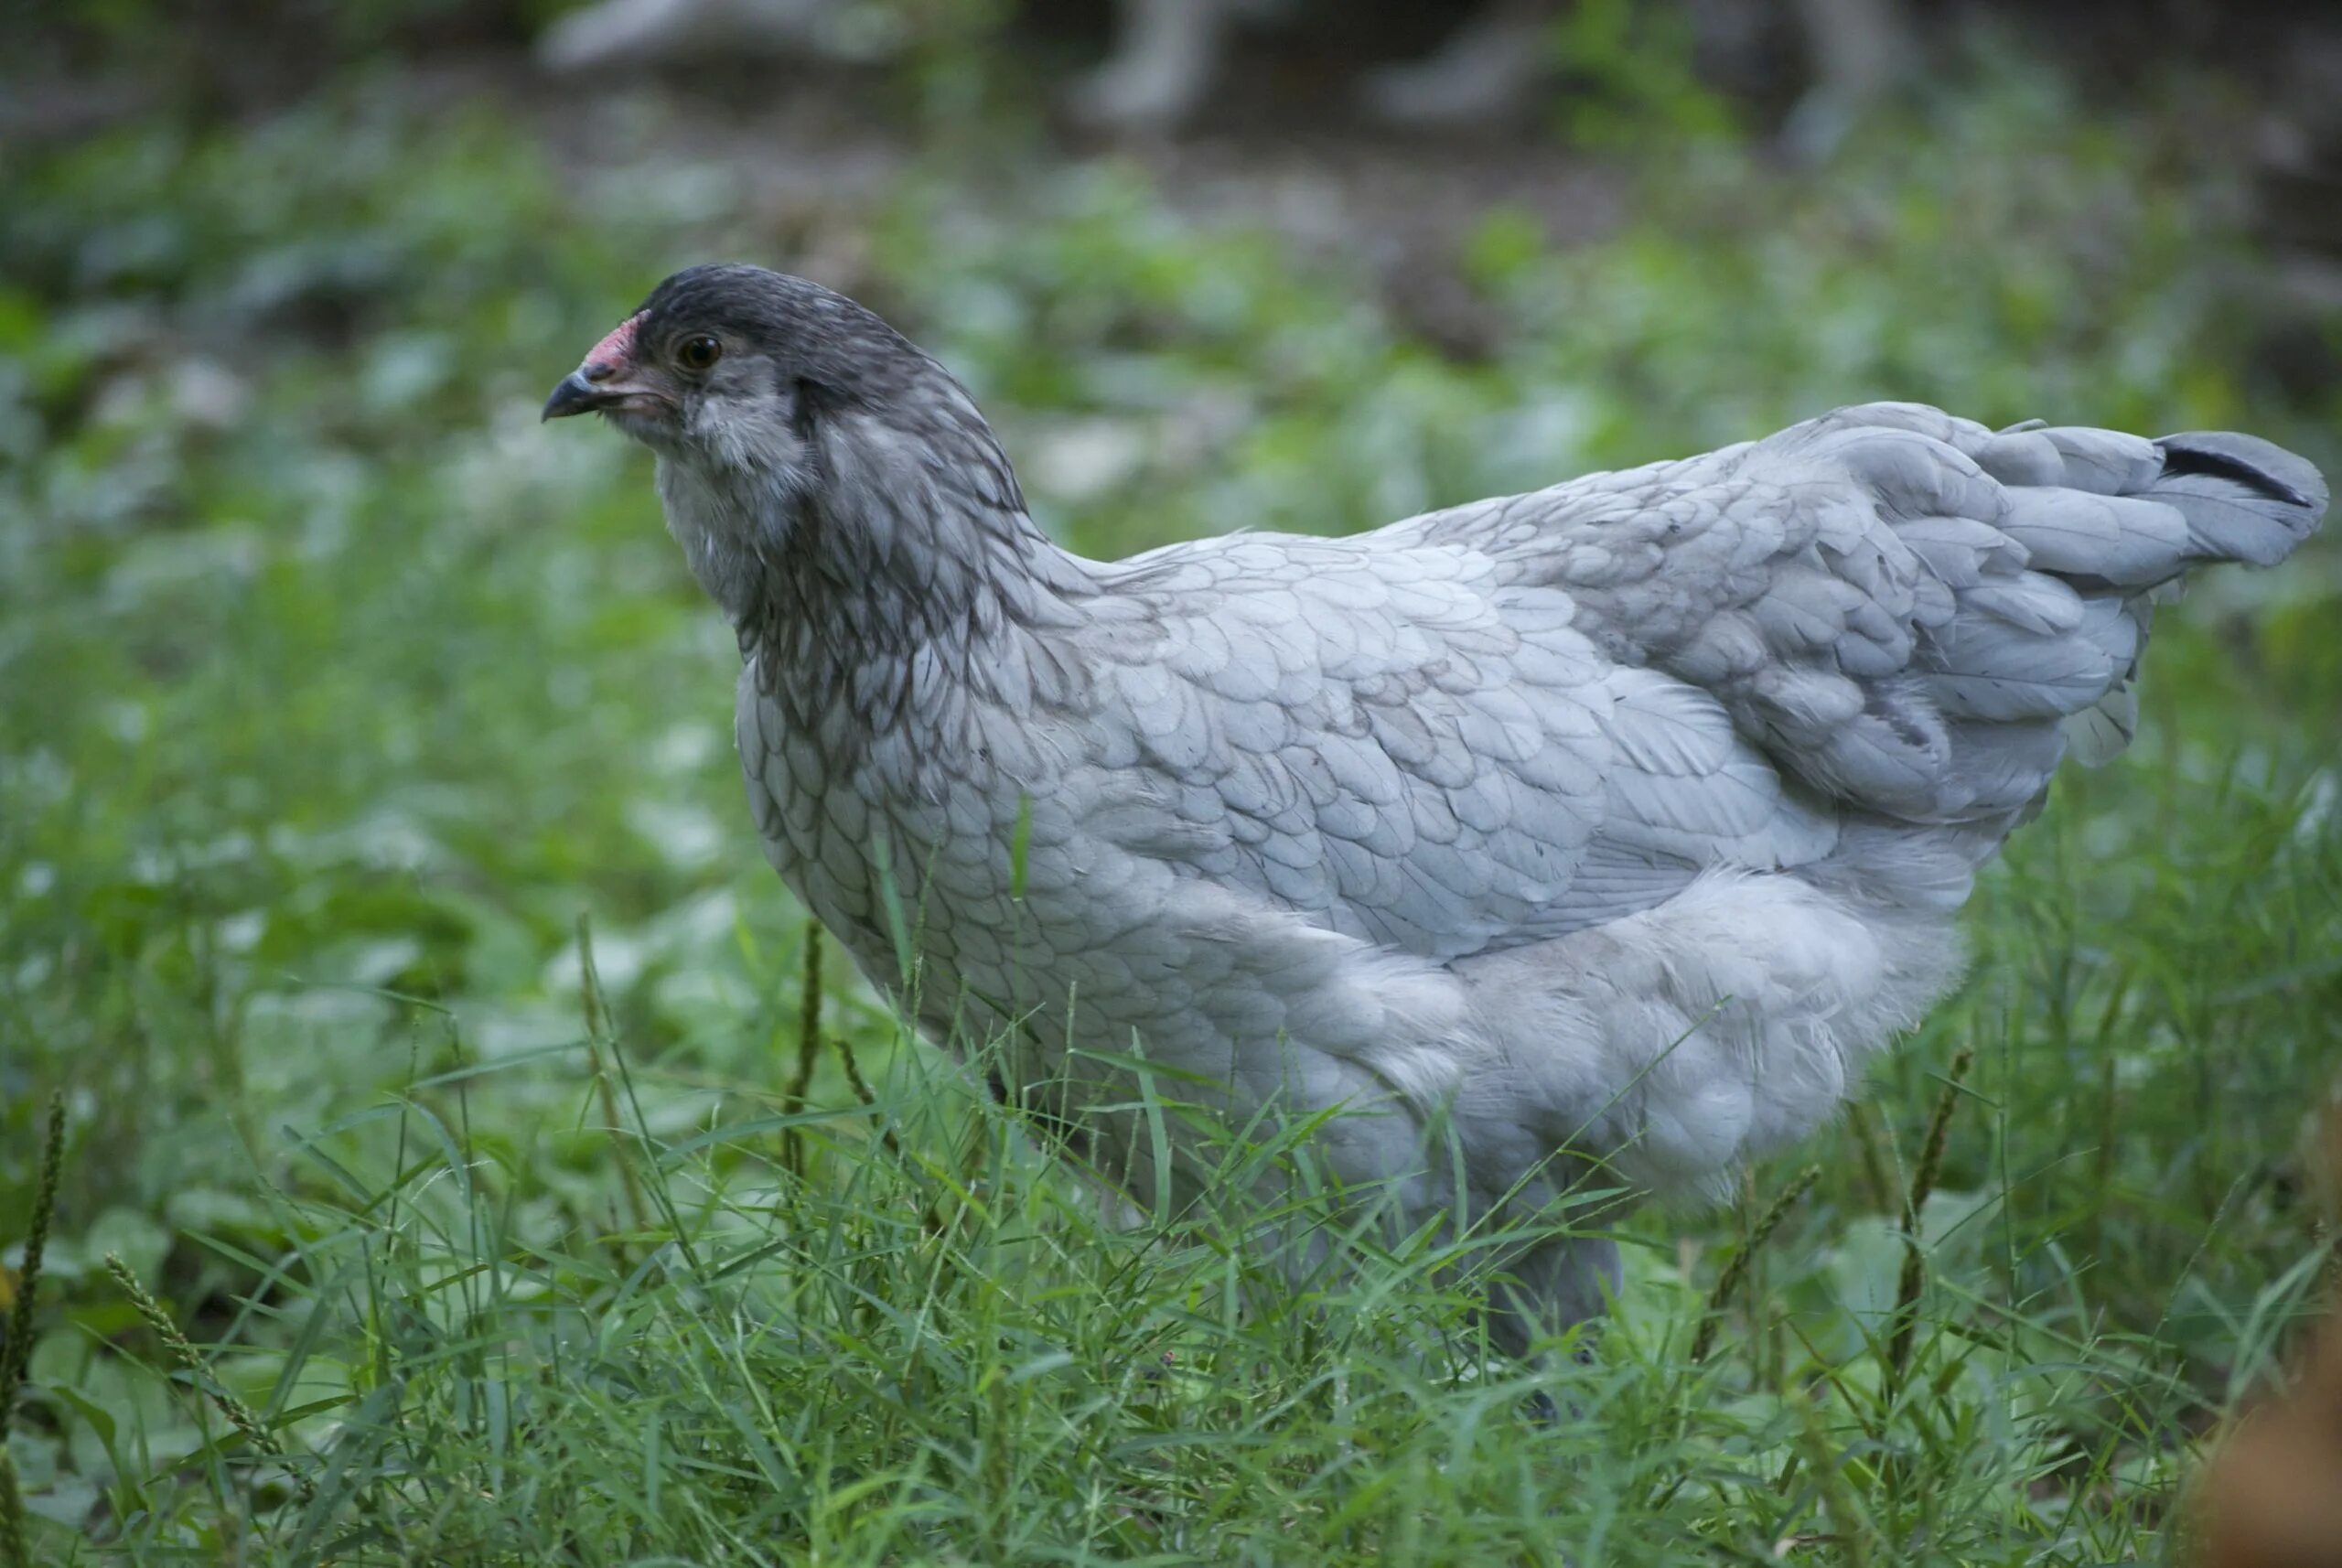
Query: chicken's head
[732,363]
[771,401]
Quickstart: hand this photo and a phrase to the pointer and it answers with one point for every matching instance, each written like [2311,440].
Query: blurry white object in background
[620,34]
[1858,51]
[1487,67]
[1169,55]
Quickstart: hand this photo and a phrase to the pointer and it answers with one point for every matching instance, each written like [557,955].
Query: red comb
[619,346]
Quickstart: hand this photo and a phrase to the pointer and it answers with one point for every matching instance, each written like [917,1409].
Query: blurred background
[336,688]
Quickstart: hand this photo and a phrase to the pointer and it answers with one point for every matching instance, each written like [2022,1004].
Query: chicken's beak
[575,395]
[608,378]
[596,386]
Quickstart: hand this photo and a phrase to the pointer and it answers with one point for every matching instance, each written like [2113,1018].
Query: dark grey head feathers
[716,351]
[805,448]
[838,351]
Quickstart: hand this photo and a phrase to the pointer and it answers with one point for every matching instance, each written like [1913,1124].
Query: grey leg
[1556,1287]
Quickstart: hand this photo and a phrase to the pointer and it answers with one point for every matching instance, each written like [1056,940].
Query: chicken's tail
[2001,584]
[1975,615]
[2122,520]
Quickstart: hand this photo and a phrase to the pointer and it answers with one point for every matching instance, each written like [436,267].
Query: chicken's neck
[839,608]
[908,579]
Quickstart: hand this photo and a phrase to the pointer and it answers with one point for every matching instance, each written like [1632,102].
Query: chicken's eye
[699,353]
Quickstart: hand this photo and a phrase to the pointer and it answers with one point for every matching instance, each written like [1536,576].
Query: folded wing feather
[1484,727]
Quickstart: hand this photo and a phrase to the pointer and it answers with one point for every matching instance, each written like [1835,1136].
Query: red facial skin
[614,351]
[610,383]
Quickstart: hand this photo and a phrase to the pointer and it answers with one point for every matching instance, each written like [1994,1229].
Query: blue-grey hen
[1614,825]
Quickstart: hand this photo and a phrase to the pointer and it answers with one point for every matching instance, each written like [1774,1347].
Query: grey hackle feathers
[1608,828]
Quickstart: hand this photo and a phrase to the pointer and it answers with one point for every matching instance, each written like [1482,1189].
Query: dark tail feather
[2244,498]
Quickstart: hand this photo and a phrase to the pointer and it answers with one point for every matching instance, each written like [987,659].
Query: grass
[345,703]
